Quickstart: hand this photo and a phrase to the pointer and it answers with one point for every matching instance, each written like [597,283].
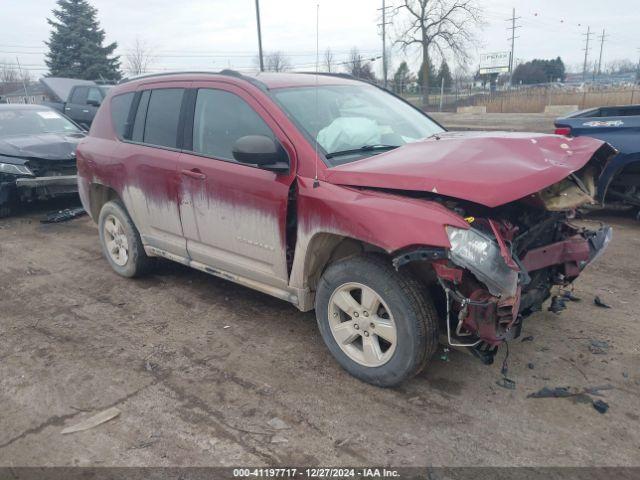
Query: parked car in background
[82,104]
[335,194]
[619,126]
[37,154]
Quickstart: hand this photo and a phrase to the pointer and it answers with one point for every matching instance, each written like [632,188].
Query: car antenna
[316,182]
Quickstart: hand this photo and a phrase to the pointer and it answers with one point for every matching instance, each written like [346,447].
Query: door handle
[194,173]
[85,111]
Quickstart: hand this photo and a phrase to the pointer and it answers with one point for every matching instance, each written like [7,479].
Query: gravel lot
[206,372]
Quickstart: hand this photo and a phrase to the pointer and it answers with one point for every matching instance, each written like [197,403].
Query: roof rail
[331,74]
[226,71]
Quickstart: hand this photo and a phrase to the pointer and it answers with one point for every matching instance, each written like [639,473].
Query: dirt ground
[209,373]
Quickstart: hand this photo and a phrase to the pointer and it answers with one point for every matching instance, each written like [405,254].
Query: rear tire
[120,241]
[385,341]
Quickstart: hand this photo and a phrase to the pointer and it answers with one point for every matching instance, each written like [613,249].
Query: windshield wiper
[364,148]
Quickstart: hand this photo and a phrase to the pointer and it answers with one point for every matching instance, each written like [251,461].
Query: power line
[586,53]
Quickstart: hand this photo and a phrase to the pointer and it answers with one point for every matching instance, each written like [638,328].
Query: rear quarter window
[120,107]
[163,117]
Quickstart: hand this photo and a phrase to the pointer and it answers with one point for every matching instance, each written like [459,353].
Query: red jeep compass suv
[333,194]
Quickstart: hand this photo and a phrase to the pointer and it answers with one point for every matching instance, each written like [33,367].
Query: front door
[233,215]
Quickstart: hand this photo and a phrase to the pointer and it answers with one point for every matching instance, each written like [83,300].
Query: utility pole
[384,41]
[602,37]
[586,53]
[259,36]
[513,41]
[24,84]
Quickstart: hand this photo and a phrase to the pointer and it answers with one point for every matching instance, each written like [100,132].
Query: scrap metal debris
[94,421]
[63,215]
[601,406]
[600,303]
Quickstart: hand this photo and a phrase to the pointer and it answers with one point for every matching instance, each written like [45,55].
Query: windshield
[350,117]
[27,121]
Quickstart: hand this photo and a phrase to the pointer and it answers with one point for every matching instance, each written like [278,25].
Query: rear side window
[79,95]
[163,116]
[220,119]
[120,106]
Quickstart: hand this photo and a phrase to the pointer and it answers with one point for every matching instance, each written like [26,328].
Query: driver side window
[220,119]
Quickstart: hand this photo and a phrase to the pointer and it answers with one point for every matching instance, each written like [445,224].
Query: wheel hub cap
[116,241]
[362,324]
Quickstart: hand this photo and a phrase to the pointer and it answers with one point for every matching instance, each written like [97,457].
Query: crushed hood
[49,146]
[488,168]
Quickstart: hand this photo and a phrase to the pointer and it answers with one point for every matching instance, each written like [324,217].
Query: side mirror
[93,103]
[261,151]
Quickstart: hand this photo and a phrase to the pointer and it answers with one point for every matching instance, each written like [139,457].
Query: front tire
[379,324]
[120,241]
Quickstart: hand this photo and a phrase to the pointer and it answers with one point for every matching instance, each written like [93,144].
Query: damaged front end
[28,179]
[504,266]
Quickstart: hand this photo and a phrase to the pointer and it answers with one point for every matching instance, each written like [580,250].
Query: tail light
[566,131]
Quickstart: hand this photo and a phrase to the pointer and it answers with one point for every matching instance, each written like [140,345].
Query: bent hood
[489,168]
[47,146]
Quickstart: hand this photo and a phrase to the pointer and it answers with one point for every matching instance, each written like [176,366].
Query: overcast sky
[216,34]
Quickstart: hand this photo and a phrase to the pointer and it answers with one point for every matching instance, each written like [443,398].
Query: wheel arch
[617,167]
[98,195]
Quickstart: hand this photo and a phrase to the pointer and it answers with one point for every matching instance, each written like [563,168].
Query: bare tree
[277,62]
[329,60]
[436,26]
[11,78]
[139,58]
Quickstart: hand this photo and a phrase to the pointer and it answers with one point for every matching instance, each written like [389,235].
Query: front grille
[51,168]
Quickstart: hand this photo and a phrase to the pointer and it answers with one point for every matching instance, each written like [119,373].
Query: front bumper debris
[46,187]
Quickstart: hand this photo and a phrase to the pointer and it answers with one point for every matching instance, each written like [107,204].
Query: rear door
[151,157]
[233,215]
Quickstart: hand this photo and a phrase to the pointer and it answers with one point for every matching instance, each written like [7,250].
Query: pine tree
[402,78]
[445,73]
[75,44]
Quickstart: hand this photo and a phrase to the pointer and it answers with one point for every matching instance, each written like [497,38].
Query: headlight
[11,169]
[479,253]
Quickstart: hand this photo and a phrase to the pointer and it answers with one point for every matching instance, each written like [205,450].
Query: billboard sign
[496,62]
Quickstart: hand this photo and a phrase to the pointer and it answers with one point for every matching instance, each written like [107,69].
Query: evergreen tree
[431,78]
[444,73]
[75,44]
[402,78]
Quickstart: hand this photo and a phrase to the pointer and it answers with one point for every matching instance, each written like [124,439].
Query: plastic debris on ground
[600,406]
[599,347]
[63,215]
[598,302]
[94,421]
[507,383]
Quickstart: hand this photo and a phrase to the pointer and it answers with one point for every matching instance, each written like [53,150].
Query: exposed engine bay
[504,266]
